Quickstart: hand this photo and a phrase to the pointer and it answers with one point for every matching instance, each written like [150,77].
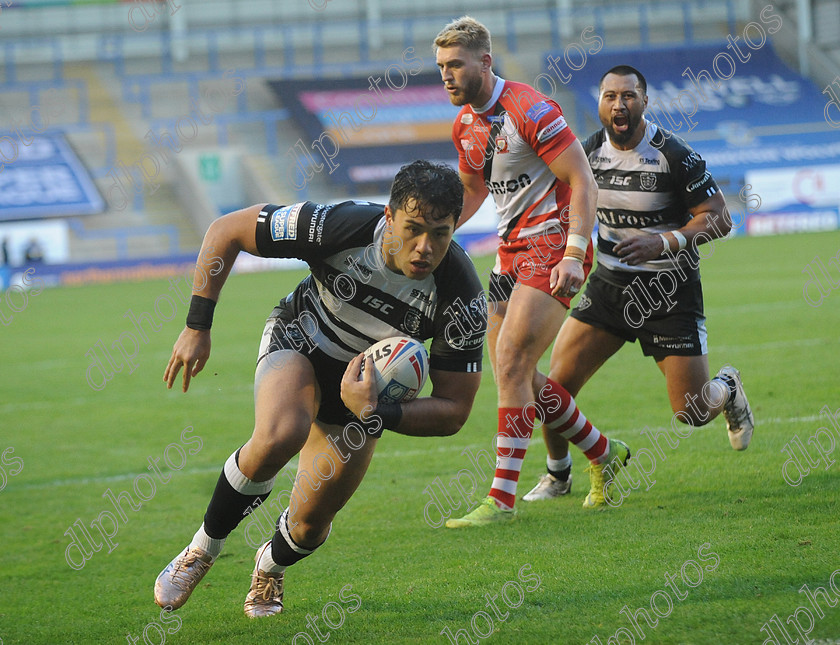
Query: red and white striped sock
[562,415]
[515,428]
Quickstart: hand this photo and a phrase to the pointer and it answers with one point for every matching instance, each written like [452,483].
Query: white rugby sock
[558,465]
[267,563]
[720,391]
[203,541]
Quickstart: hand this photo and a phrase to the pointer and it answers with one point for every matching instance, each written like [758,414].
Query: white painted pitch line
[9,408]
[752,307]
[81,481]
[384,454]
[777,344]
[761,421]
[96,397]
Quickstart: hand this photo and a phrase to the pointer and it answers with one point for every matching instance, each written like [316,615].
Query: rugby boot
[736,411]
[485,513]
[265,598]
[599,486]
[177,581]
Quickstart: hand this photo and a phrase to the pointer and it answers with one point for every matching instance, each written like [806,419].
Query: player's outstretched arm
[572,167]
[439,415]
[225,238]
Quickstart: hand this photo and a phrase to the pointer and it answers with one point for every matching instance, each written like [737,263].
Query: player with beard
[656,204]
[514,143]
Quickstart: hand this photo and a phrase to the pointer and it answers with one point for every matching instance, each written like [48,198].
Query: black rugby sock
[235,496]
[284,550]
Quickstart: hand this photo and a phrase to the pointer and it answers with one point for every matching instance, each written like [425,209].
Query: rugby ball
[401,367]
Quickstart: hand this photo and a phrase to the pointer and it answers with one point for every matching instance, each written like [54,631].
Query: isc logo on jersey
[558,125]
[284,222]
[376,303]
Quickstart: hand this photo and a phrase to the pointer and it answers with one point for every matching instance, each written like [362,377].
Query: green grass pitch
[559,574]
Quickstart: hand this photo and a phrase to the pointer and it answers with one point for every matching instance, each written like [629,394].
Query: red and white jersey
[510,142]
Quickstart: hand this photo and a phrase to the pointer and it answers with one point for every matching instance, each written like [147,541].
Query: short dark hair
[625,70]
[436,189]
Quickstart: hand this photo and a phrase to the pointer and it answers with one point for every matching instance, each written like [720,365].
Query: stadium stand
[133,78]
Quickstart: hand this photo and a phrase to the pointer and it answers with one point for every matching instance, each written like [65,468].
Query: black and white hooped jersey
[356,300]
[648,189]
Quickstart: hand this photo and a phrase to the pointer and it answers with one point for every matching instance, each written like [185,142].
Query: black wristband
[200,316]
[389,414]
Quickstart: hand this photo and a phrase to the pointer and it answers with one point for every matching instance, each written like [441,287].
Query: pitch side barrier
[122,236]
[113,271]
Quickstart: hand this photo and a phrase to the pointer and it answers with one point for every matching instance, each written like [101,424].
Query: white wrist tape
[577,241]
[576,246]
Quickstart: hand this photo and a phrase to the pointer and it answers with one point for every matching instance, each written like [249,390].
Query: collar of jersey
[497,92]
